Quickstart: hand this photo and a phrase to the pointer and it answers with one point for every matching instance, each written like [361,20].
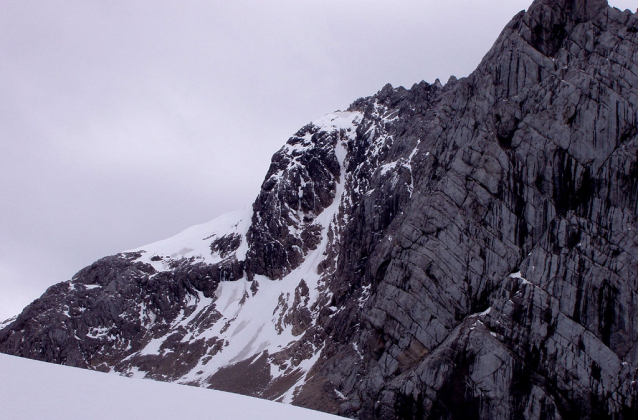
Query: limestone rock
[466,251]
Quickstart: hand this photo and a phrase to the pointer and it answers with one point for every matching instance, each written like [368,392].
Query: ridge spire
[578,10]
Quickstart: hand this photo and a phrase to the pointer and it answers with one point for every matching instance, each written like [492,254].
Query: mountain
[64,393]
[465,251]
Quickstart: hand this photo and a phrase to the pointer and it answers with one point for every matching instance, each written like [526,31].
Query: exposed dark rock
[299,185]
[466,251]
[225,245]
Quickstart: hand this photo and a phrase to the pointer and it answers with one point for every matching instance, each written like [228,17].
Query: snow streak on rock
[186,309]
[458,251]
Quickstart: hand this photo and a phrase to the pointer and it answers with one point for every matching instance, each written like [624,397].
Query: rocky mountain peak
[577,10]
[466,251]
[549,22]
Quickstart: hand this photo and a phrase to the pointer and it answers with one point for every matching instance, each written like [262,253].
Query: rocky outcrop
[300,184]
[466,251]
[527,169]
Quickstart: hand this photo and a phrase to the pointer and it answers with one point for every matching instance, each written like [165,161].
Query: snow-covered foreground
[32,390]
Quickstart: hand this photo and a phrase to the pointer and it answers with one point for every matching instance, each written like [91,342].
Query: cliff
[440,252]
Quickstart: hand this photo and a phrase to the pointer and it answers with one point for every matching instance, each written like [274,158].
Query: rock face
[466,251]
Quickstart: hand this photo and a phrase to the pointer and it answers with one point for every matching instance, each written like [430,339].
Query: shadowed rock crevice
[457,251]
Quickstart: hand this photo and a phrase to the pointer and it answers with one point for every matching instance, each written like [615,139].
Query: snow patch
[8,321]
[153,347]
[519,275]
[195,241]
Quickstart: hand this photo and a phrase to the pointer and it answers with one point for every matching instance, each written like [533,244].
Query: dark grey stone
[483,263]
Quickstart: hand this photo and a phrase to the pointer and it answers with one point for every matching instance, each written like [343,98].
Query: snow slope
[31,390]
[195,241]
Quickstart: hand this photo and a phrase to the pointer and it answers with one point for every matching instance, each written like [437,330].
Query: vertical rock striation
[466,251]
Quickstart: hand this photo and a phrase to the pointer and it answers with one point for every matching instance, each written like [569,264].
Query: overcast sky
[122,123]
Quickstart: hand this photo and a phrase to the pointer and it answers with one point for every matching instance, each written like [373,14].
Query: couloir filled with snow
[252,312]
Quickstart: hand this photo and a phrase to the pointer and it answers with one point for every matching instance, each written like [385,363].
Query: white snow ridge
[32,390]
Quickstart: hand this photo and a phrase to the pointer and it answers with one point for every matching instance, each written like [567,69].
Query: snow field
[33,390]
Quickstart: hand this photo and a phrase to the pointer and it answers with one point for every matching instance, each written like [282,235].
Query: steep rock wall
[442,252]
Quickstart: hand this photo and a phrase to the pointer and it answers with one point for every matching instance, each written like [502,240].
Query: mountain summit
[467,251]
